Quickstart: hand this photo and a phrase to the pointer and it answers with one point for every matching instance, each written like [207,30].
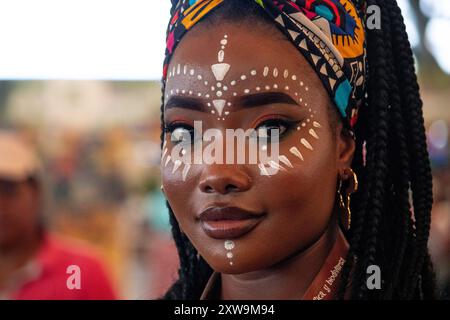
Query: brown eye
[273,129]
[180,133]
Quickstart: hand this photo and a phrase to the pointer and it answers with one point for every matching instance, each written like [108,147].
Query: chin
[238,266]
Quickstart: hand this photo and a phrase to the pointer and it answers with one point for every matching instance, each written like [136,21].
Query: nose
[224,179]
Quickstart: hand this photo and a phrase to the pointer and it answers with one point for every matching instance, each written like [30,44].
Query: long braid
[376,165]
[421,179]
[394,207]
[399,208]
[401,172]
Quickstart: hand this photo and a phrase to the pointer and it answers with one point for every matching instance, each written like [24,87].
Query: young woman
[339,103]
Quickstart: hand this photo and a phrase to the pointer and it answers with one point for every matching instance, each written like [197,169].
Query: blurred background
[80,80]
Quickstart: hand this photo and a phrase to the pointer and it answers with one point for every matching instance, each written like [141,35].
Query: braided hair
[391,210]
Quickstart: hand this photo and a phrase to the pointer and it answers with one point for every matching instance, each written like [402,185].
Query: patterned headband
[329,34]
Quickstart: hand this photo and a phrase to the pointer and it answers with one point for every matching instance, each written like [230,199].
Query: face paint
[218,103]
[229,246]
[304,142]
[177,163]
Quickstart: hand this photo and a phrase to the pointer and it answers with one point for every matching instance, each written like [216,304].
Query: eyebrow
[185,103]
[265,98]
[248,101]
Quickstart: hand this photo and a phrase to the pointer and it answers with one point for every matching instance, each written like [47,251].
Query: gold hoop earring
[348,176]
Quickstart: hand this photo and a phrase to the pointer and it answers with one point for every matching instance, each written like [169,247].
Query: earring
[351,178]
[162,189]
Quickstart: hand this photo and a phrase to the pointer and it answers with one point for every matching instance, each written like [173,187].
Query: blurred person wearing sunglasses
[34,264]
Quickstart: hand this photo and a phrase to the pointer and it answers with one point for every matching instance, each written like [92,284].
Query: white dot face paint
[287,161]
[219,70]
[285,80]
[229,246]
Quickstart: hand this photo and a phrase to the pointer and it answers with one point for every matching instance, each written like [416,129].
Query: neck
[15,256]
[288,279]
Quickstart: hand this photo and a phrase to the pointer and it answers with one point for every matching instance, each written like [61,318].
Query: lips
[228,222]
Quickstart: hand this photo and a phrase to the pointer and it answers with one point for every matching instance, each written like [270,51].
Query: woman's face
[250,215]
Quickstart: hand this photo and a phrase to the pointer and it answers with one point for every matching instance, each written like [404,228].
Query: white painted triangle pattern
[220,70]
[219,105]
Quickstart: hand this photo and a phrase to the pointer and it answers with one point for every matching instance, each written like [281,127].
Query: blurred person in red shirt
[33,263]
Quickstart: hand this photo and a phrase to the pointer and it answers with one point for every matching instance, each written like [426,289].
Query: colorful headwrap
[329,34]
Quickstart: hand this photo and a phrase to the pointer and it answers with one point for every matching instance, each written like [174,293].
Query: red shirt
[47,276]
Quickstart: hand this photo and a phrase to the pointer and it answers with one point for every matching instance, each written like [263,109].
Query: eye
[180,133]
[274,128]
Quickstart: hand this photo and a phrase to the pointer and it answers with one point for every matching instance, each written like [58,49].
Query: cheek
[179,192]
[301,201]
[303,196]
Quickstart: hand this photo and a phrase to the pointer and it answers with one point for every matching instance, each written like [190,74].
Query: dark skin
[19,231]
[281,256]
